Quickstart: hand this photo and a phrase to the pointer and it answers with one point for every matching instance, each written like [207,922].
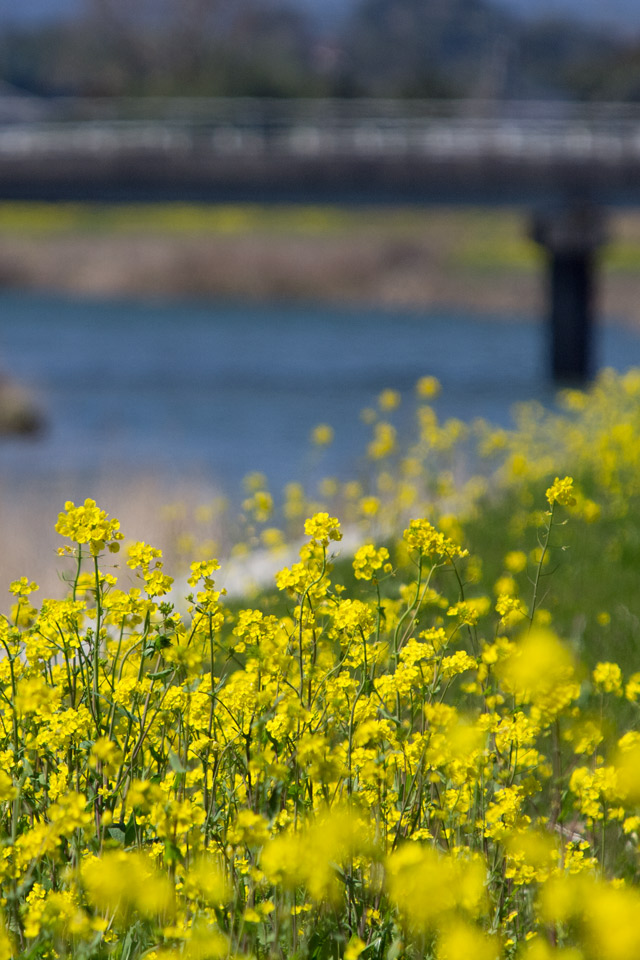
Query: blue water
[214,390]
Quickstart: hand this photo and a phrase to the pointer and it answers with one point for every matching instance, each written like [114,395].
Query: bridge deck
[374,151]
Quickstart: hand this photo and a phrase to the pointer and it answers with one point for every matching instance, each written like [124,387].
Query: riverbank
[458,257]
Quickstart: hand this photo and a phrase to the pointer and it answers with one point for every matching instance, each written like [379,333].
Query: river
[215,390]
[175,402]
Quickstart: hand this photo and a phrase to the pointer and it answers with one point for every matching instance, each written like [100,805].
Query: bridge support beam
[571,238]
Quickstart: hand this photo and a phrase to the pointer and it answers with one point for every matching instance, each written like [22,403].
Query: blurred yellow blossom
[322,435]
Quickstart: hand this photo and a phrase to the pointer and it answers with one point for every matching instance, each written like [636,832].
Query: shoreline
[460,259]
[370,271]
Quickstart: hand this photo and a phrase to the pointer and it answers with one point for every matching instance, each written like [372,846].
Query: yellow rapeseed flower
[561,491]
[384,441]
[323,528]
[607,678]
[430,888]
[122,882]
[540,670]
[87,523]
[367,561]
[322,435]
[389,400]
[428,387]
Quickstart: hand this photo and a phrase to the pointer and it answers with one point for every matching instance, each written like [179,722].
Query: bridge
[318,150]
[567,161]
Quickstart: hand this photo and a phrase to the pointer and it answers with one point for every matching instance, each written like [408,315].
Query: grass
[482,238]
[222,219]
[599,614]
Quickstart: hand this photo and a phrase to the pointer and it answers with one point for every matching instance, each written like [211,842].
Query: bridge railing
[520,130]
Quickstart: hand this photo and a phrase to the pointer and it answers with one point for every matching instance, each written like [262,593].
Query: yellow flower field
[391,753]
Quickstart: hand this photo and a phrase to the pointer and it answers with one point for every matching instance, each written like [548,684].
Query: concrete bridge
[334,150]
[565,161]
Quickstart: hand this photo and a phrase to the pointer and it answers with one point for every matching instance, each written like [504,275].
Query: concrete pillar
[571,237]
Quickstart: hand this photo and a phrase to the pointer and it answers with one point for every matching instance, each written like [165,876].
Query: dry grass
[408,257]
[383,270]
[403,257]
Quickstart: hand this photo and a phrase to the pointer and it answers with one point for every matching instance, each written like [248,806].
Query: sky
[623,14]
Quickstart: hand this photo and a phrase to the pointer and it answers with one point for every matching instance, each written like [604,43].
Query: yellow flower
[539,949]
[461,940]
[354,948]
[370,506]
[308,857]
[429,888]
[205,882]
[428,387]
[260,505]
[561,491]
[7,790]
[610,920]
[70,813]
[531,855]
[540,670]
[515,561]
[504,812]
[607,677]
[89,524]
[202,570]
[140,555]
[422,536]
[592,788]
[389,400]
[367,561]
[384,441]
[509,609]
[457,663]
[322,435]
[323,528]
[627,768]
[632,688]
[7,946]
[122,882]
[35,695]
[249,829]
[23,587]
[106,755]
[469,611]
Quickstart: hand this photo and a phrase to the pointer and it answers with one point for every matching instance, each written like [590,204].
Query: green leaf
[176,763]
[160,674]
[116,833]
[172,853]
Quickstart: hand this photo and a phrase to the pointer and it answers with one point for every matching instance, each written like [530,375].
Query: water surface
[214,390]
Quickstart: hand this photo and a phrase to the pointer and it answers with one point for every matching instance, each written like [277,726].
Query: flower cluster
[393,753]
[89,524]
[367,561]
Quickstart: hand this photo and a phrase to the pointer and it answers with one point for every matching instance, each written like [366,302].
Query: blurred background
[158,348]
[292,48]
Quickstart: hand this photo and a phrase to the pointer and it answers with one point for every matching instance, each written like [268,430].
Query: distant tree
[270,52]
[387,48]
[562,58]
[425,47]
[205,47]
[614,75]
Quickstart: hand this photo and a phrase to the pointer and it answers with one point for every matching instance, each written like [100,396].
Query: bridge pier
[571,237]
